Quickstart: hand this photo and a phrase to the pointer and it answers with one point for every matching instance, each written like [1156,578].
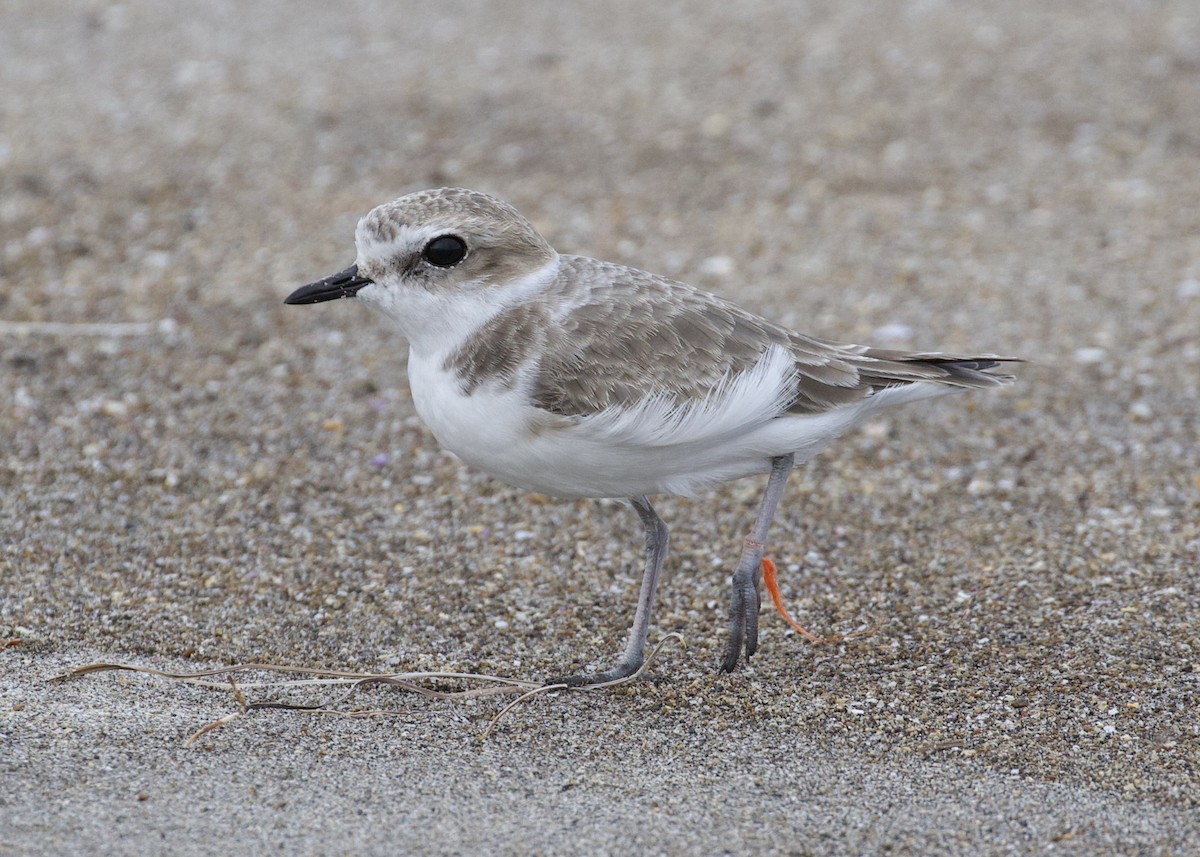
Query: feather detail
[739,402]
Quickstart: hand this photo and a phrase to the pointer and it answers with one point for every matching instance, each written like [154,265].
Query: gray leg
[635,651]
[745,601]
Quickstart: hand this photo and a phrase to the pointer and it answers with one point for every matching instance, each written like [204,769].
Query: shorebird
[575,377]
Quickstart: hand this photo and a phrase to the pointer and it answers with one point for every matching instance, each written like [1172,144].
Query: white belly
[499,432]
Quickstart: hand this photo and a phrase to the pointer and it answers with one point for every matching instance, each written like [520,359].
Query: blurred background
[189,468]
[841,164]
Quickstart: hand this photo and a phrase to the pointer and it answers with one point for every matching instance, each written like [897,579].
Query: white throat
[436,321]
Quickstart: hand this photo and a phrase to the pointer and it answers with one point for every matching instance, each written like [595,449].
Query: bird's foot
[743,615]
[626,668]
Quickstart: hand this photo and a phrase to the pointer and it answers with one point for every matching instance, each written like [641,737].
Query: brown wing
[632,334]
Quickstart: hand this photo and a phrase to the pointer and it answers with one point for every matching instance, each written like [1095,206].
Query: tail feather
[898,368]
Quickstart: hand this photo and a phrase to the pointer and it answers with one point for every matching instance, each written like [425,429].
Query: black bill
[341,285]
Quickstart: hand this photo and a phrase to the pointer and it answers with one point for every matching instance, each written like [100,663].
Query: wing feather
[627,336]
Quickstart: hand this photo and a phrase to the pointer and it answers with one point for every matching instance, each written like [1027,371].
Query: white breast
[485,428]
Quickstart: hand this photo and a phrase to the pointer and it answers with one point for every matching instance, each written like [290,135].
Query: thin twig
[216,724]
[672,637]
[333,676]
[546,688]
[525,689]
[69,328]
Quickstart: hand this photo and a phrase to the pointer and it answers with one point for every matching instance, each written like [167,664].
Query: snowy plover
[581,378]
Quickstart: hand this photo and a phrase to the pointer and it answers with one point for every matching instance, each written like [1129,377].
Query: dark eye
[445,250]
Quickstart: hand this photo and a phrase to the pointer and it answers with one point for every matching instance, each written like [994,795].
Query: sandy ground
[192,474]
